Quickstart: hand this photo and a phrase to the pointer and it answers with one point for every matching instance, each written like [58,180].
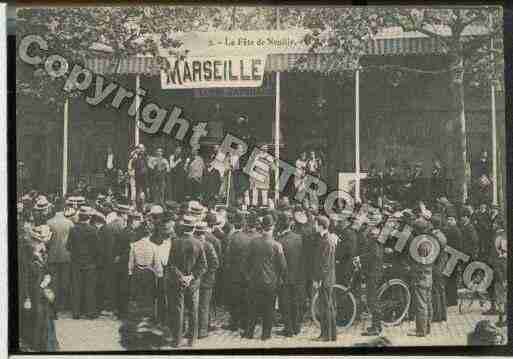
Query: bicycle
[393,297]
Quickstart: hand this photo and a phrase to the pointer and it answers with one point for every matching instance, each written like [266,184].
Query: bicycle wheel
[344,303]
[394,299]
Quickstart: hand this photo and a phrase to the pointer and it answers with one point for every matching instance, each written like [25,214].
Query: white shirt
[163,250]
[111,217]
[110,161]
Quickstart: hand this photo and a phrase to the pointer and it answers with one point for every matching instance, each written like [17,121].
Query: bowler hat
[466,212]
[267,222]
[123,208]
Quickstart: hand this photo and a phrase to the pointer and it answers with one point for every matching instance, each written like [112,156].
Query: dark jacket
[292,244]
[83,245]
[208,279]
[346,250]
[324,261]
[454,237]
[185,258]
[470,240]
[122,246]
[237,257]
[108,236]
[310,244]
[267,267]
[216,243]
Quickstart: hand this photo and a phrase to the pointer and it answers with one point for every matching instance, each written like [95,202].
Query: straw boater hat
[201,227]
[123,208]
[196,209]
[75,201]
[188,221]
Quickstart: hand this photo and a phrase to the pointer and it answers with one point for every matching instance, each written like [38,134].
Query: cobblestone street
[103,334]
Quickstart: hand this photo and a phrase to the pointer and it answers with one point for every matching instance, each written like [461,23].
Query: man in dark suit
[293,290]
[236,276]
[324,279]
[207,280]
[267,269]
[83,247]
[454,239]
[108,236]
[346,249]
[375,252]
[187,263]
[471,245]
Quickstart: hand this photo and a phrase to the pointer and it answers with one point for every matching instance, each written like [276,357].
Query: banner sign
[267,89]
[240,43]
[213,71]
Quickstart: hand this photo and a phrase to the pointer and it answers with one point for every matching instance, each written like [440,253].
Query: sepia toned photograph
[259,177]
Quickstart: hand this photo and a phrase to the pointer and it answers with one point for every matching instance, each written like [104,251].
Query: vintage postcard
[239,177]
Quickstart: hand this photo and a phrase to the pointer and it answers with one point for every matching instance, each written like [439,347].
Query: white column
[137,104]
[357,134]
[65,150]
[277,140]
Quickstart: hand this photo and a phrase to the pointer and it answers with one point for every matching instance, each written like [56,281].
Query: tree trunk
[458,133]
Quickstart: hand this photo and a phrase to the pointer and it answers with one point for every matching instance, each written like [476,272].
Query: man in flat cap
[83,247]
[267,270]
[187,263]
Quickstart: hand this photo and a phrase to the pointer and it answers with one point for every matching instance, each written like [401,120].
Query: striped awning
[276,62]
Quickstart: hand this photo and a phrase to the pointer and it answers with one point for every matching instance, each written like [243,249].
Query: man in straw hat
[187,263]
[83,247]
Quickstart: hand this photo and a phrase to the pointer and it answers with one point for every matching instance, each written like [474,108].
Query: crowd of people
[176,264]
[157,243]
